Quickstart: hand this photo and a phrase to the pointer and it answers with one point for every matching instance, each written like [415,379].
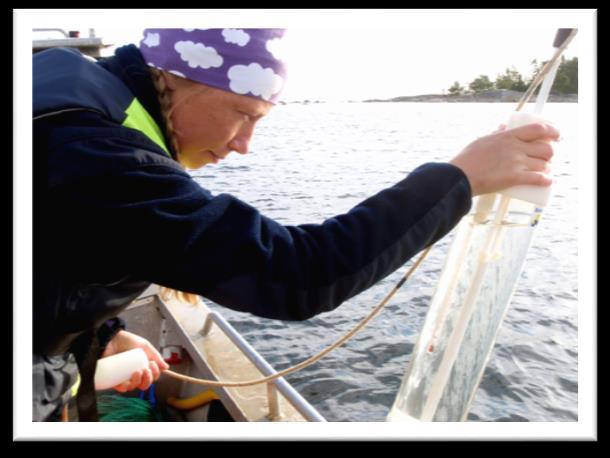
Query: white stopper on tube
[116,369]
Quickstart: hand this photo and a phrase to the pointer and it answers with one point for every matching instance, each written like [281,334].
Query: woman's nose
[241,142]
[239,145]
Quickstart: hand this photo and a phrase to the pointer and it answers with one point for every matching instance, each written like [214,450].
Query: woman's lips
[215,157]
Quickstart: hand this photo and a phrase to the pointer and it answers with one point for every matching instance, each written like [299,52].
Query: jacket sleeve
[108,330]
[160,225]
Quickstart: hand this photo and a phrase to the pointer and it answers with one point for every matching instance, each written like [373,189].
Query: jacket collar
[129,66]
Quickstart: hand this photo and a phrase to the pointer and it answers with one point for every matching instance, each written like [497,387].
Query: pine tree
[480,84]
[456,89]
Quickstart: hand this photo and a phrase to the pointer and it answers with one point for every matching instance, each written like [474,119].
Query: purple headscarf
[243,61]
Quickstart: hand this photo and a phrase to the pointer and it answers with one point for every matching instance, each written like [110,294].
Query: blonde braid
[168,294]
[164,96]
[165,102]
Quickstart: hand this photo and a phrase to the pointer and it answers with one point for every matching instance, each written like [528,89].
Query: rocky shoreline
[481,97]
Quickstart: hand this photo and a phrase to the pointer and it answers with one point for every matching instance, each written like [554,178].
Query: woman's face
[209,123]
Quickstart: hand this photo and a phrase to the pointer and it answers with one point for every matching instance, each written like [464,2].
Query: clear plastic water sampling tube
[478,279]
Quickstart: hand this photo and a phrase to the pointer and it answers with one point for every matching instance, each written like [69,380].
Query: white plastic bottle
[116,369]
[538,195]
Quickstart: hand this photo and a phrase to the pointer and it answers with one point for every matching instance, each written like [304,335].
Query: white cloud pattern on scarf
[259,81]
[236,36]
[277,48]
[152,39]
[198,54]
[177,73]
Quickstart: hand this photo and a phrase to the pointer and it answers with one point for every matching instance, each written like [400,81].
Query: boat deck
[220,354]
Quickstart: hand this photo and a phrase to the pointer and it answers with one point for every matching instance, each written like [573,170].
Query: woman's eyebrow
[254,114]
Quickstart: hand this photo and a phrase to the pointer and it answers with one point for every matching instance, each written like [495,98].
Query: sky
[361,54]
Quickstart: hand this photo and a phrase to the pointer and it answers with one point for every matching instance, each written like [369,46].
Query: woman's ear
[175,83]
[171,81]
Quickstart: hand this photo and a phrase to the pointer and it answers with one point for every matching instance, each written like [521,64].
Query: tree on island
[456,89]
[566,80]
[480,84]
[511,80]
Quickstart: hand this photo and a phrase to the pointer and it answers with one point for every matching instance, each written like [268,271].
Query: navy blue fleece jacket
[119,208]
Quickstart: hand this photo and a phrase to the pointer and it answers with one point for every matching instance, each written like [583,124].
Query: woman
[117,210]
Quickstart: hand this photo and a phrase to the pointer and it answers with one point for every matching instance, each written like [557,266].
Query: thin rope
[317,357]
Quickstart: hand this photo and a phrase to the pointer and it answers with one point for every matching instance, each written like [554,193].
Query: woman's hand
[508,158]
[124,341]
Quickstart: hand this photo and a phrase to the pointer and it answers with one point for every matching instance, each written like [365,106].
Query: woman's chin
[201,159]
